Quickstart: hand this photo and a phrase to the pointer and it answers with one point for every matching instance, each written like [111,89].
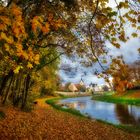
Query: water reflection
[126,115]
[114,113]
[81,105]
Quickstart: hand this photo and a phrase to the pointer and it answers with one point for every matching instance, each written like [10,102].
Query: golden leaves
[9,39]
[37,23]
[3,27]
[5,20]
[6,47]
[36,59]
[123,5]
[16,11]
[19,29]
[46,29]
[17,69]
[29,65]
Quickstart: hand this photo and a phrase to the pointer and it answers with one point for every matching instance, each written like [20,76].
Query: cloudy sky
[128,50]
[76,72]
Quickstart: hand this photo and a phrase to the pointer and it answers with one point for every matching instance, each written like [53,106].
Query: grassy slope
[126,98]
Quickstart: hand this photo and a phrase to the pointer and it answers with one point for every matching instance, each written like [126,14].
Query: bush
[46,91]
[29,104]
[43,91]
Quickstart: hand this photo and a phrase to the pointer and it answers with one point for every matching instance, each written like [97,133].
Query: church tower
[81,82]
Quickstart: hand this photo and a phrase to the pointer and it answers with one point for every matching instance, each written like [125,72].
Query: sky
[128,50]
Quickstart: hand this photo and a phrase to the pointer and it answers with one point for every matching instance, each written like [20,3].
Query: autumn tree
[29,29]
[134,71]
[120,73]
[22,50]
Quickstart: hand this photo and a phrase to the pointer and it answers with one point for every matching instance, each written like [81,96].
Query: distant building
[77,87]
[72,87]
[81,82]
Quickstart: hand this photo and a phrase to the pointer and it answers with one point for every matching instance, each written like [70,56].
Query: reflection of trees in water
[81,105]
[124,116]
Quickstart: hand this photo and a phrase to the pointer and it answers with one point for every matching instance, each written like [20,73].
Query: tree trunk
[25,93]
[7,91]
[4,82]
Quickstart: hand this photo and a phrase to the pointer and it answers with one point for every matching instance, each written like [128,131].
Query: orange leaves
[3,27]
[19,50]
[19,29]
[46,29]
[16,11]
[5,20]
[40,24]
[37,23]
[17,44]
[57,24]
[15,22]
[120,73]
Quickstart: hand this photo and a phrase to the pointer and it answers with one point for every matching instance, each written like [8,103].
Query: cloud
[129,50]
[74,71]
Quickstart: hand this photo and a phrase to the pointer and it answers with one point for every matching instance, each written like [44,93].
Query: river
[110,112]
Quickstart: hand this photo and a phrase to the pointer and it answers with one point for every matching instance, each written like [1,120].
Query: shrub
[46,91]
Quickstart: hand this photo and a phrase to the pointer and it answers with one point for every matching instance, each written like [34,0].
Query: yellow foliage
[25,55]
[9,39]
[29,65]
[6,47]
[37,23]
[3,27]
[17,69]
[13,32]
[5,20]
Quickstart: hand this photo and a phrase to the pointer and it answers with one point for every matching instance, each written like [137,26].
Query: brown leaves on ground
[46,123]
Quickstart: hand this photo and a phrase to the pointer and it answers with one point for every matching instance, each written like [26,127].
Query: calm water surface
[114,113]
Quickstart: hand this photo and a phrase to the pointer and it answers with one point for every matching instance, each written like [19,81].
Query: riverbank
[54,102]
[73,94]
[46,123]
[130,97]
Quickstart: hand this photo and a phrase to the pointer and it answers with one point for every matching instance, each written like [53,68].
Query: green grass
[53,103]
[124,99]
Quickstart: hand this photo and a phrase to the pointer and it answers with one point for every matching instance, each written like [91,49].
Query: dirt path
[46,123]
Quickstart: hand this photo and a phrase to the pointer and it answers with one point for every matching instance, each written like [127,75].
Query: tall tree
[29,29]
